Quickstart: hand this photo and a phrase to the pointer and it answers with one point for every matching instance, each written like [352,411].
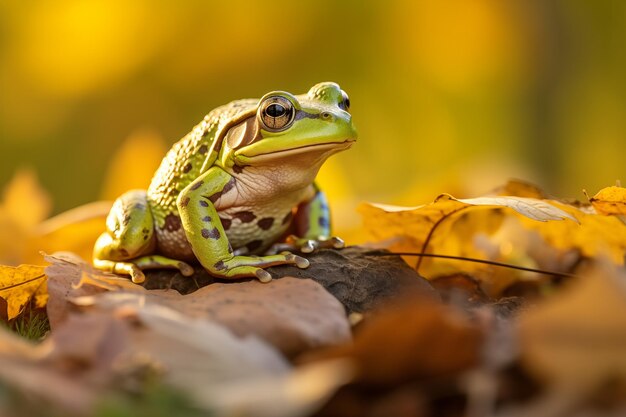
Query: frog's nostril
[326,115]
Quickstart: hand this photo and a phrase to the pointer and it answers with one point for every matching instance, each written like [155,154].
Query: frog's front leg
[312,227]
[208,239]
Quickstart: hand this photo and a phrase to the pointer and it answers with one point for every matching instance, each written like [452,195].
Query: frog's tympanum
[227,192]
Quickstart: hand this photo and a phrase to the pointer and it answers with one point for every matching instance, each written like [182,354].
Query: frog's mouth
[316,148]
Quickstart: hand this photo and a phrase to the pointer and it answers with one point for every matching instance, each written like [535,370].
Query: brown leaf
[285,312]
[126,335]
[577,338]
[221,372]
[24,367]
[67,275]
[413,340]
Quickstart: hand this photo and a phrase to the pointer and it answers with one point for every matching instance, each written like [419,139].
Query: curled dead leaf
[610,201]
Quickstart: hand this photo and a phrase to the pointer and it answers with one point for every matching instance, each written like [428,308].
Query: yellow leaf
[134,164]
[610,201]
[19,285]
[595,236]
[464,228]
[386,221]
[25,201]
[24,205]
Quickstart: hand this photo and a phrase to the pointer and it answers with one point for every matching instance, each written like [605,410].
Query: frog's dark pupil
[275,110]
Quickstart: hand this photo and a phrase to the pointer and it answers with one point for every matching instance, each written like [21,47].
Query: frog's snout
[350,130]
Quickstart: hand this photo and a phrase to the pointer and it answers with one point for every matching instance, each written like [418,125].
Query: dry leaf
[610,201]
[412,340]
[25,201]
[110,351]
[296,394]
[285,312]
[222,373]
[19,285]
[532,208]
[451,227]
[578,337]
[595,236]
[66,275]
[134,164]
[24,205]
[445,205]
[235,376]
[416,223]
[24,233]
[23,367]
[75,230]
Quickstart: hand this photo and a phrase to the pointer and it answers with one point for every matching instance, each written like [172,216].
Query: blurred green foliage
[449,95]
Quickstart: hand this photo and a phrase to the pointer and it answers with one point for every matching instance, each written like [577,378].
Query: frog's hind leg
[126,246]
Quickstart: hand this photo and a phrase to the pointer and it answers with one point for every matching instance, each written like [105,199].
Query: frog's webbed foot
[135,267]
[304,245]
[252,266]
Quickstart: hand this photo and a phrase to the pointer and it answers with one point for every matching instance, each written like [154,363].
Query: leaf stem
[23,282]
[430,235]
[463,258]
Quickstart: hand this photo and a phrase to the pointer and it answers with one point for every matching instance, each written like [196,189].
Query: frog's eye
[345,101]
[277,113]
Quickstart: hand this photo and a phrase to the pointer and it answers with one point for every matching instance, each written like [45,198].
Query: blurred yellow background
[448,96]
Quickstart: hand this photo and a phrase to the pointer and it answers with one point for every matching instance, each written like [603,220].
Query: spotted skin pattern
[231,188]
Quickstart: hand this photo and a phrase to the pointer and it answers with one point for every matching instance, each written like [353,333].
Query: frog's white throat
[284,171]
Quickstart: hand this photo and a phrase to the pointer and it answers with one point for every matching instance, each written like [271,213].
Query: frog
[237,194]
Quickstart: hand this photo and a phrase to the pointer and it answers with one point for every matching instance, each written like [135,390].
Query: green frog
[228,192]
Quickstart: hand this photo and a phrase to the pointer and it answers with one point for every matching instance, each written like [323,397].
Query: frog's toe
[247,271]
[127,268]
[336,242]
[137,275]
[299,261]
[185,269]
[308,246]
[263,275]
